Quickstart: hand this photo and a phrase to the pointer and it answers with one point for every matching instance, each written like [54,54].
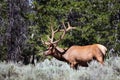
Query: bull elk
[75,55]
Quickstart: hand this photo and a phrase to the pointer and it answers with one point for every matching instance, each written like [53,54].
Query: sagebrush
[57,70]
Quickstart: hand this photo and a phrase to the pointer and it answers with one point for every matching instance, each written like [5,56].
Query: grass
[57,70]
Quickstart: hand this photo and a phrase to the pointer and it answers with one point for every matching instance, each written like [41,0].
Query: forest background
[23,23]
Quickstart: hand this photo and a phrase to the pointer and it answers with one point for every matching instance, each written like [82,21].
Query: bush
[57,70]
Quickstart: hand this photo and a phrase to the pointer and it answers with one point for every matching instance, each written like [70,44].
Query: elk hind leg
[100,59]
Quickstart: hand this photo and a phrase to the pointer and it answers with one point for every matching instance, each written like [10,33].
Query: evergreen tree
[17,28]
[3,23]
[97,21]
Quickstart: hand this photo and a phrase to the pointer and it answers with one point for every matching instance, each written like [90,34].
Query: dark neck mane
[59,52]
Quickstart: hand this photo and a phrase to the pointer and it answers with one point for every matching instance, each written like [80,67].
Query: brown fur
[83,54]
[78,55]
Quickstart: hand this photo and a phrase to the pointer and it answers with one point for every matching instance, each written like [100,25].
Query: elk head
[52,45]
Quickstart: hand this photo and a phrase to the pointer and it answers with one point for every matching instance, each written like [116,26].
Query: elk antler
[69,27]
[53,34]
[64,31]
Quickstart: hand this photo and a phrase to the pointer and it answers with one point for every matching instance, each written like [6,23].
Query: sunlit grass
[57,70]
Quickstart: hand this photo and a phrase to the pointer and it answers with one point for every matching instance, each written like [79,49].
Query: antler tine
[49,39]
[70,27]
[64,31]
[61,36]
[53,34]
[43,42]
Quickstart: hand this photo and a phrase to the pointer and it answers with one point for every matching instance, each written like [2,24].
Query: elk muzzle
[47,53]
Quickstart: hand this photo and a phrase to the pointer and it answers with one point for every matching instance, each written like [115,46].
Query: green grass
[57,70]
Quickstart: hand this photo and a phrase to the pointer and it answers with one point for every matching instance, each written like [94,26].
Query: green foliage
[3,23]
[97,21]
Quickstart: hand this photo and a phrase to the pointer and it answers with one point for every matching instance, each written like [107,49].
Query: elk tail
[102,48]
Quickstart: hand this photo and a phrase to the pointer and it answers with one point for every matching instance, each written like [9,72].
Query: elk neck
[59,54]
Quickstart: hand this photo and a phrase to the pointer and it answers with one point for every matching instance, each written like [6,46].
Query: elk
[75,55]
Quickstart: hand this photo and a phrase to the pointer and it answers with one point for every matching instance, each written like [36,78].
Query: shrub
[57,70]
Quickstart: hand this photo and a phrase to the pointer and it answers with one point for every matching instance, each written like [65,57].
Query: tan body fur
[81,55]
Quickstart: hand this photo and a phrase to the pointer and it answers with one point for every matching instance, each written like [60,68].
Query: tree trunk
[17,29]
